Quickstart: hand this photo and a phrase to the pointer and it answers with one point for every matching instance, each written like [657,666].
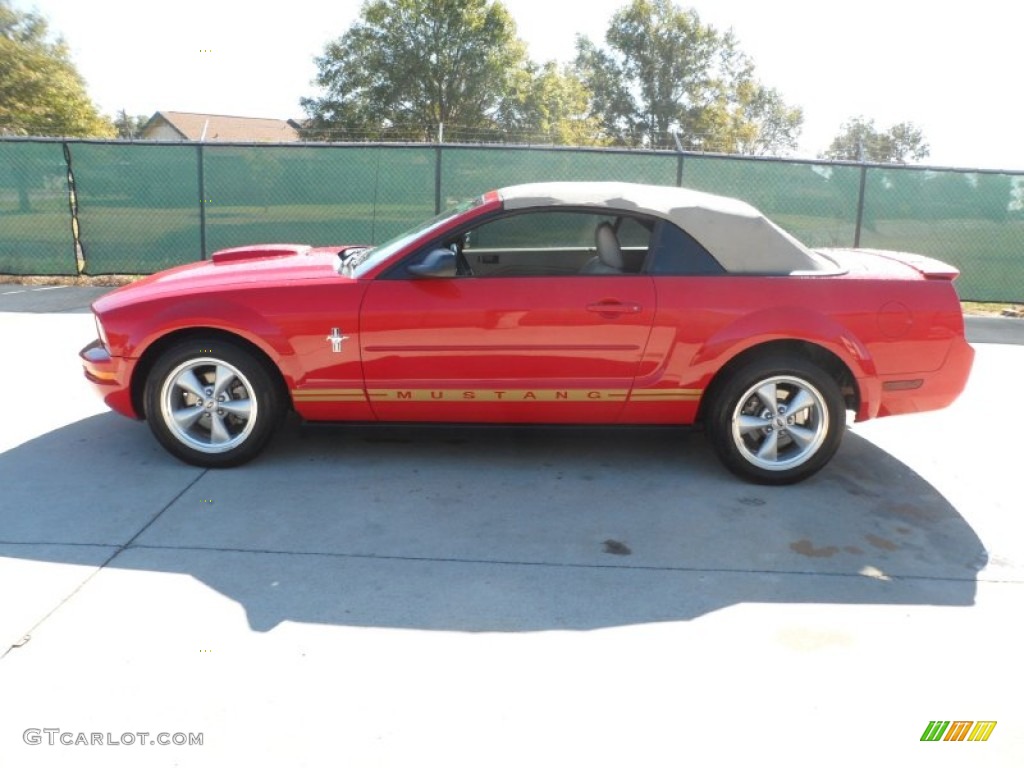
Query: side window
[633,233]
[674,252]
[553,243]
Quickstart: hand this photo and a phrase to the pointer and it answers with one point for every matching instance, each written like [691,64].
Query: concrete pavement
[48,298]
[500,597]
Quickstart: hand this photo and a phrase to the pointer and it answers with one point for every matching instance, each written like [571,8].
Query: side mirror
[440,262]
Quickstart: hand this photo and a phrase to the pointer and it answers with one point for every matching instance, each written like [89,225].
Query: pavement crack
[27,636]
[154,518]
[550,564]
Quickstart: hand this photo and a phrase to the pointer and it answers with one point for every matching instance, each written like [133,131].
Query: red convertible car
[568,303]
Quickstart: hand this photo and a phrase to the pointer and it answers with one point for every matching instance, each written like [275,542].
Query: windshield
[362,261]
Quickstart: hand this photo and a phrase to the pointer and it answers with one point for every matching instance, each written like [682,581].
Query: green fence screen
[35,216]
[142,207]
[138,206]
[310,194]
[971,220]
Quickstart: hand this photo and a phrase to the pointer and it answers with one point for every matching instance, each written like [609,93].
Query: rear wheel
[777,420]
[212,403]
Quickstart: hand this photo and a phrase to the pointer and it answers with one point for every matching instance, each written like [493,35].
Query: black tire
[230,423]
[771,443]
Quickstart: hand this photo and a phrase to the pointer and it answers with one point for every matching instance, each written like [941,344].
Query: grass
[992,308]
[81,280]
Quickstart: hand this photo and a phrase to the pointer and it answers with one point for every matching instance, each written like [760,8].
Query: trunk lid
[893,264]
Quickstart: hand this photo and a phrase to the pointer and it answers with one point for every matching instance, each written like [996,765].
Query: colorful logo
[958,730]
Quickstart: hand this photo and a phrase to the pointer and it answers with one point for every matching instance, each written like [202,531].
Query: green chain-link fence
[142,207]
[35,216]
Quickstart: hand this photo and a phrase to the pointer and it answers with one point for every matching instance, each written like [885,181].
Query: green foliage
[551,105]
[860,140]
[409,65]
[129,126]
[41,92]
[665,72]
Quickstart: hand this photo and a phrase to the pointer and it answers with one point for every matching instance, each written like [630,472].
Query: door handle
[612,308]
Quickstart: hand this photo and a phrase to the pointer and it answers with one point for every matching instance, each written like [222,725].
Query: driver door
[529,336]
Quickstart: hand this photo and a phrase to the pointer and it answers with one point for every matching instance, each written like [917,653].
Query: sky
[950,68]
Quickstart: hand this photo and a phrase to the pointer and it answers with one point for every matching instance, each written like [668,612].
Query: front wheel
[212,403]
[777,420]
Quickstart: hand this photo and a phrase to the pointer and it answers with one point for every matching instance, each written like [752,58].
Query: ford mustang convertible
[561,303]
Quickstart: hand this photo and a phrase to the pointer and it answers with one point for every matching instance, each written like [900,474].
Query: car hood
[247,266]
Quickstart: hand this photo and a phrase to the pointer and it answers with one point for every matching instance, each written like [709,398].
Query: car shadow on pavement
[475,529]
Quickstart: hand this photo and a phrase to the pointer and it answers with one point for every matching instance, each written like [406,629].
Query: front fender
[152,321]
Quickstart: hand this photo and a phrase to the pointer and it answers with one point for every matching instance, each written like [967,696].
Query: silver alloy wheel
[208,405]
[780,423]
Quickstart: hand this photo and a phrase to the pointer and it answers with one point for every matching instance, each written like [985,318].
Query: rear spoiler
[929,268]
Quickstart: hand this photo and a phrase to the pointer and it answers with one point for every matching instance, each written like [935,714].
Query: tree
[41,92]
[664,71]
[860,140]
[551,105]
[764,124]
[129,126]
[408,66]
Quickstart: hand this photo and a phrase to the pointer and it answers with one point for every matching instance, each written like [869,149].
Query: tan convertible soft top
[736,234]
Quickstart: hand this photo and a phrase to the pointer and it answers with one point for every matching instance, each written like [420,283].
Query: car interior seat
[609,260]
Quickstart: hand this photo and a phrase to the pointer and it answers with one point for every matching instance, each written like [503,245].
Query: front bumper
[110,376]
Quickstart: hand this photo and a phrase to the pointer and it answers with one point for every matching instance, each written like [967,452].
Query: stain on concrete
[752,501]
[878,541]
[903,529]
[910,512]
[855,486]
[613,547]
[806,548]
[853,550]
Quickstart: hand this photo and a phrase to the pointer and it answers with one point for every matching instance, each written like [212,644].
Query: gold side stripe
[669,399]
[495,395]
[328,391]
[302,395]
[327,395]
[665,394]
[328,399]
[667,391]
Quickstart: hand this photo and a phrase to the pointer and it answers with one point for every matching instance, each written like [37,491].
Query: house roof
[191,125]
[737,234]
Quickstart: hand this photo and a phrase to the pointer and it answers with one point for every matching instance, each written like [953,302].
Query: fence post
[860,205]
[679,170]
[202,203]
[437,180]
[76,240]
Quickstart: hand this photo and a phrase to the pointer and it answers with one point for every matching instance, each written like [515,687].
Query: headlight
[102,334]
